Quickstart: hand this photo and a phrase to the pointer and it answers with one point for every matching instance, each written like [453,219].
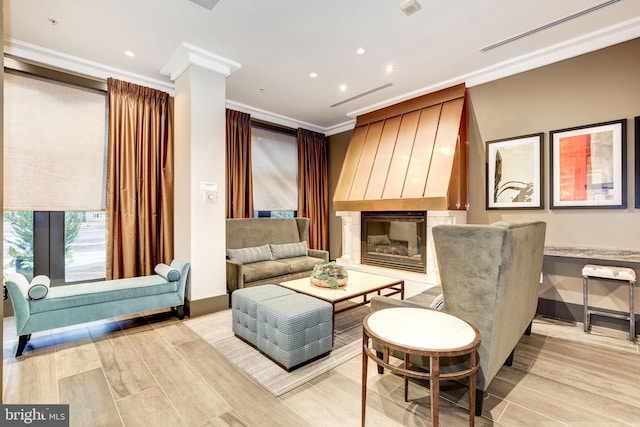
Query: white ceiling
[278,43]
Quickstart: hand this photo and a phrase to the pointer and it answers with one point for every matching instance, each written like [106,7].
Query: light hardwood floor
[154,370]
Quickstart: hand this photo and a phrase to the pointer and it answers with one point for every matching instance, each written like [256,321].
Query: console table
[421,332]
[605,254]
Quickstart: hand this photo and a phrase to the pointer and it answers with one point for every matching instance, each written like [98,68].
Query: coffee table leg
[365,362]
[435,390]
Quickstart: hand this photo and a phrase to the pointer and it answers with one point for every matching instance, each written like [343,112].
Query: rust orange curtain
[239,184]
[313,191]
[139,180]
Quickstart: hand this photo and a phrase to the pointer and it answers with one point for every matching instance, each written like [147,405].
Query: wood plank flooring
[153,370]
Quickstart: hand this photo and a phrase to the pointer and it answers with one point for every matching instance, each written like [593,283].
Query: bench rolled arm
[18,288]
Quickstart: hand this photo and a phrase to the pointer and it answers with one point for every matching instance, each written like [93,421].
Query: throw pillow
[250,255]
[380,239]
[289,250]
[438,302]
[170,274]
[39,287]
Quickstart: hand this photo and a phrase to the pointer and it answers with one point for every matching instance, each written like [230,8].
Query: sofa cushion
[61,297]
[302,263]
[250,255]
[263,270]
[289,250]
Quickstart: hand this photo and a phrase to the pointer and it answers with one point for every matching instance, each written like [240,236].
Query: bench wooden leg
[179,310]
[22,343]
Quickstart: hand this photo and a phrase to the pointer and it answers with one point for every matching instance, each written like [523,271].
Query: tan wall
[596,87]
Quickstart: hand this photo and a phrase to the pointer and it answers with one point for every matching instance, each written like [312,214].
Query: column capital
[188,54]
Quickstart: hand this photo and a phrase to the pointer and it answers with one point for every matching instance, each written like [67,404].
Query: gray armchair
[490,276]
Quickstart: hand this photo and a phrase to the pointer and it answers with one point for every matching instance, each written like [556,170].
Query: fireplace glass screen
[394,240]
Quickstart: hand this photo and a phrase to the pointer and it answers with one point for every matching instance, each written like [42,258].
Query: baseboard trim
[206,305]
[574,312]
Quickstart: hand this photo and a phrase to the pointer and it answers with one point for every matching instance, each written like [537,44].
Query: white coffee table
[359,284]
[422,332]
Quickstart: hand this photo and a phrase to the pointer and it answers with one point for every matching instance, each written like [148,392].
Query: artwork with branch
[514,172]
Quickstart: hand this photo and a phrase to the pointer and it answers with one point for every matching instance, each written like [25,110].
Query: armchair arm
[318,253]
[380,303]
[235,277]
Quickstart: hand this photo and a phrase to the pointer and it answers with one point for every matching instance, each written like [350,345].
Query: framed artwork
[588,166]
[637,167]
[514,172]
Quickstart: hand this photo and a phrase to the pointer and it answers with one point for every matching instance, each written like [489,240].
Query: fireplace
[352,245]
[394,240]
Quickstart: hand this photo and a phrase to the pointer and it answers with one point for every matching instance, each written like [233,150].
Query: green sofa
[269,250]
[59,306]
[490,276]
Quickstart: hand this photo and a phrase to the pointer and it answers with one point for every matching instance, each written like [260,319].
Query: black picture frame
[514,172]
[637,160]
[587,166]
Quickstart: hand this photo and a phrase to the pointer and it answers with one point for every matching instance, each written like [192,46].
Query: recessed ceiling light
[313,75]
[410,7]
[130,54]
[389,68]
[343,87]
[360,51]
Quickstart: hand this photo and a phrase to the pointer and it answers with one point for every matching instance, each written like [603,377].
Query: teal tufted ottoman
[244,309]
[295,329]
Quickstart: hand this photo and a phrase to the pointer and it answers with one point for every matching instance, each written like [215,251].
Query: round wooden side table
[421,332]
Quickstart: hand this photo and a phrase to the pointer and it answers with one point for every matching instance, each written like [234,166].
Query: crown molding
[289,122]
[188,54]
[274,118]
[58,60]
[600,39]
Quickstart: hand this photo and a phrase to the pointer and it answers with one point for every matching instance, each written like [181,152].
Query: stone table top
[605,254]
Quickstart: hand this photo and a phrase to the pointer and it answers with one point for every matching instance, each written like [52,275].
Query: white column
[351,248]
[200,153]
[436,218]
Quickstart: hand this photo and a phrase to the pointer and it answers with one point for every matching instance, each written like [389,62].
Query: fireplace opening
[394,240]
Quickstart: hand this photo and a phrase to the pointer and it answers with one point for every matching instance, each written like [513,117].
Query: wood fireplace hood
[408,156]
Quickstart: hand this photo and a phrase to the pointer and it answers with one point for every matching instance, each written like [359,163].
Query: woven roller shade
[274,158]
[54,146]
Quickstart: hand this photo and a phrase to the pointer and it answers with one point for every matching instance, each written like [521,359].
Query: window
[275,173]
[54,178]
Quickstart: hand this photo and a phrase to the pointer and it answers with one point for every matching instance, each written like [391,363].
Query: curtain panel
[140,180]
[313,188]
[239,183]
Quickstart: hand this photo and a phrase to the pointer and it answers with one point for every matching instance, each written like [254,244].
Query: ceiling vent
[360,95]
[549,25]
[207,4]
[410,7]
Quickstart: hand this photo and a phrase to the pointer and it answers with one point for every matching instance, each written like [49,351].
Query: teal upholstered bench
[295,329]
[41,308]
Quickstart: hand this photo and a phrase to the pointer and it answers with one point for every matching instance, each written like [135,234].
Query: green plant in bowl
[330,275]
